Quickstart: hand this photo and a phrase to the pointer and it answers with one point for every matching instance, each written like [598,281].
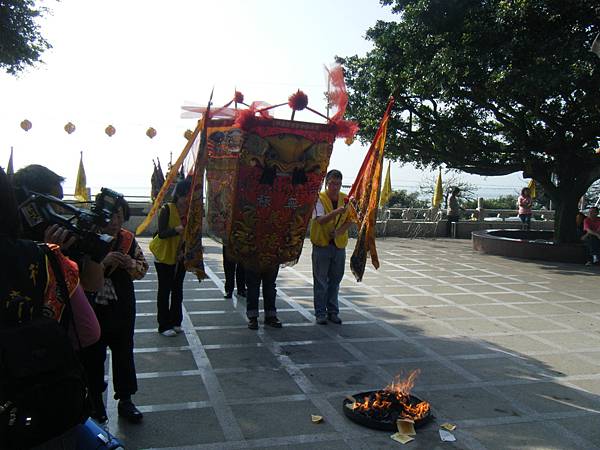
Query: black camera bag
[42,388]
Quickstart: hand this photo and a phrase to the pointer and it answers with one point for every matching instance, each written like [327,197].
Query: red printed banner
[281,167]
[224,145]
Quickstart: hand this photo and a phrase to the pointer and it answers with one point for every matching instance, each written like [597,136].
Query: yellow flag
[438,193]
[363,201]
[81,192]
[386,190]
[531,187]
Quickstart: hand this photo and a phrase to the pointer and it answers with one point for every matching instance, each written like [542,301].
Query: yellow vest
[320,234]
[165,250]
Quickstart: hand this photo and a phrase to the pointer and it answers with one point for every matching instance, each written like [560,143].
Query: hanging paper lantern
[26,125]
[110,130]
[69,127]
[150,132]
[188,134]
[349,140]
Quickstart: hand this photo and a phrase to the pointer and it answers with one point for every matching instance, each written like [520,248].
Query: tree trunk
[565,228]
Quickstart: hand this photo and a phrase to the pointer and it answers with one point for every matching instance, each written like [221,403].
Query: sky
[133,64]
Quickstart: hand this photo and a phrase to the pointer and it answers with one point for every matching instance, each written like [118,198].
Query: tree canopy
[21,43]
[490,87]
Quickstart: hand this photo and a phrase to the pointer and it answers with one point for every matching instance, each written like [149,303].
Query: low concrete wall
[527,245]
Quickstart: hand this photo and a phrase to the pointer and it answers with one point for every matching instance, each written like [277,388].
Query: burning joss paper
[402,438]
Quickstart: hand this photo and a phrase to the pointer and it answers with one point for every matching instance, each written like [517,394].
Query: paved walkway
[509,351]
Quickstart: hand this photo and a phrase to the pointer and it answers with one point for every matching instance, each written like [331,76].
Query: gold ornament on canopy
[26,125]
[110,130]
[188,134]
[150,132]
[69,127]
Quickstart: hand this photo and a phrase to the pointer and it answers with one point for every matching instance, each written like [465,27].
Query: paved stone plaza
[509,351]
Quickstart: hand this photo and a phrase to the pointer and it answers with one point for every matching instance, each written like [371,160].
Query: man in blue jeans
[329,236]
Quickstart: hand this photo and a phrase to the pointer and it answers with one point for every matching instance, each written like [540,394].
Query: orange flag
[364,198]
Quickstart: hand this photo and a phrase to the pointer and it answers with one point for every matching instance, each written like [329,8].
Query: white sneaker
[178,329]
[169,333]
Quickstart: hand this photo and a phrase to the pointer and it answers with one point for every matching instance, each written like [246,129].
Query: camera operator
[115,309]
[40,179]
[43,393]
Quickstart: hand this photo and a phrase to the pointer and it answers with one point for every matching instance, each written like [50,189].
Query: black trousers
[170,284]
[449,221]
[234,275]
[592,244]
[253,281]
[116,334]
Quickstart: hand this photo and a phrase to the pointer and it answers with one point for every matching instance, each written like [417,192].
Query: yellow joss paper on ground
[448,426]
[402,438]
[406,427]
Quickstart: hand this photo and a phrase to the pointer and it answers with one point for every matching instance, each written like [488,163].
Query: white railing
[433,215]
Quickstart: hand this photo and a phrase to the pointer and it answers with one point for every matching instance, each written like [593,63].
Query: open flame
[395,396]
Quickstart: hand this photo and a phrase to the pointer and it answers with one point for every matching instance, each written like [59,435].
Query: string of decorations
[110,130]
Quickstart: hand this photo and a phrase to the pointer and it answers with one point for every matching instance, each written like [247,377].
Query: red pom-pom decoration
[246,119]
[298,101]
[238,97]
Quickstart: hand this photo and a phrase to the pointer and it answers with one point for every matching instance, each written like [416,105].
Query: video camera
[39,211]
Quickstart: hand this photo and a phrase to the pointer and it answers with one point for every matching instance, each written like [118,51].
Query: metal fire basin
[380,424]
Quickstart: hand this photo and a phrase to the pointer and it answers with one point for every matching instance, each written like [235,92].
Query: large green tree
[490,87]
[21,43]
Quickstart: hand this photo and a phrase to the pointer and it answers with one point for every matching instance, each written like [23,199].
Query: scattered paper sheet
[316,419]
[446,436]
[402,438]
[406,427]
[448,426]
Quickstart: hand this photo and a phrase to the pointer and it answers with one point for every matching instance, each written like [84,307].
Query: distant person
[329,236]
[525,203]
[591,238]
[115,307]
[167,247]
[234,275]
[453,210]
[579,219]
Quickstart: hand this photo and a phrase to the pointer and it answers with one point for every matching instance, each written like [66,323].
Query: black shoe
[253,323]
[321,320]
[334,318]
[128,411]
[228,295]
[98,411]
[273,322]
[99,415]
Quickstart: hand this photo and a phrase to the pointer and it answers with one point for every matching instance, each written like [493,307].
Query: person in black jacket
[115,308]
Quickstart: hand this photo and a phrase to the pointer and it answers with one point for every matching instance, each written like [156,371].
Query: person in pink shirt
[591,238]
[524,203]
